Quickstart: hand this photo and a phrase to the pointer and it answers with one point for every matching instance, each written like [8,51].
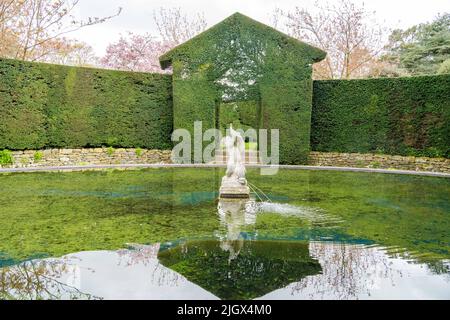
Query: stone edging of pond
[68,159]
[164,165]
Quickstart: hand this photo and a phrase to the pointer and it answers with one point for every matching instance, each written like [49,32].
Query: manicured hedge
[44,106]
[242,114]
[403,116]
[240,59]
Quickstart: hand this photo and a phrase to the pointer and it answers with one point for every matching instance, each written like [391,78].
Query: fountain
[234,184]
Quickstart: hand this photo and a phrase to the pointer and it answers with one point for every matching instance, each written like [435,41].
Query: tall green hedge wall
[403,116]
[44,105]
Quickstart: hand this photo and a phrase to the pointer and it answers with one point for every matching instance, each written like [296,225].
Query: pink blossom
[136,53]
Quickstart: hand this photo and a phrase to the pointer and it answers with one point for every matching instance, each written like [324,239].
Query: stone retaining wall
[381,161]
[108,156]
[87,156]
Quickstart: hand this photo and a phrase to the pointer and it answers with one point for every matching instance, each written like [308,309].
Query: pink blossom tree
[135,53]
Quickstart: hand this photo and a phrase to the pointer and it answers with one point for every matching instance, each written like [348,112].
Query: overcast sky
[137,15]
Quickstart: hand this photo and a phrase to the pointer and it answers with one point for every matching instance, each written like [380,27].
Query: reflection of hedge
[254,269]
[43,105]
[405,116]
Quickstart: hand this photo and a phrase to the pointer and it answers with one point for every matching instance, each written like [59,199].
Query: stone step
[251,157]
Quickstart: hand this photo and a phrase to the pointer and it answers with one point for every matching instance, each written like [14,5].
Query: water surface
[161,233]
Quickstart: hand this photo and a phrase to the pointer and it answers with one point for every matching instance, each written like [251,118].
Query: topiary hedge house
[240,59]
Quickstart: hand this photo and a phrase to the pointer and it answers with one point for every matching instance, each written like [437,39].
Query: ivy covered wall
[403,116]
[46,106]
[238,60]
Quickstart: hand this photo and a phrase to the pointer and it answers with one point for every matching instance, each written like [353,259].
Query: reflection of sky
[107,274]
[370,274]
[142,280]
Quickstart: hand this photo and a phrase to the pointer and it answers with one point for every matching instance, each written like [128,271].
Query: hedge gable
[44,106]
[403,116]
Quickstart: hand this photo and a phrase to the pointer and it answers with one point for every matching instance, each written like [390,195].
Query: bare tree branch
[348,33]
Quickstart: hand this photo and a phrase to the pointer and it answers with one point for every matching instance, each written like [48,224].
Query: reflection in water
[348,271]
[123,274]
[235,214]
[365,272]
[202,270]
[45,279]
[259,267]
[138,254]
[230,267]
[353,276]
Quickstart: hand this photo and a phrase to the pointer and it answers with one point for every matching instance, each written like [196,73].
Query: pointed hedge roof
[242,21]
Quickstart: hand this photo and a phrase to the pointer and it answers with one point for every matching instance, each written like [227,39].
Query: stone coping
[164,165]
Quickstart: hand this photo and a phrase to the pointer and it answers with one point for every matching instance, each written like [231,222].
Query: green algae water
[318,234]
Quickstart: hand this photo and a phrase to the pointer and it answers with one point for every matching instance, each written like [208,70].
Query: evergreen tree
[421,49]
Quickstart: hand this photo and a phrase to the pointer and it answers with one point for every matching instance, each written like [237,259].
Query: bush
[51,106]
[110,151]
[6,157]
[403,116]
[38,156]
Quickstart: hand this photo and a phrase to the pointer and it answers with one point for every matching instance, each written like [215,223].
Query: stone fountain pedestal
[233,187]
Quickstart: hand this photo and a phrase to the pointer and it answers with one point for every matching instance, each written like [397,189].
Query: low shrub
[38,156]
[6,157]
[110,151]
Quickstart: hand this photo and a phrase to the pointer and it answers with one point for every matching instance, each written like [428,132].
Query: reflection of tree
[347,270]
[138,254]
[147,256]
[439,267]
[40,280]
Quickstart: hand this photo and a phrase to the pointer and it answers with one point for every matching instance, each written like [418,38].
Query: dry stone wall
[382,161]
[87,156]
[108,156]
